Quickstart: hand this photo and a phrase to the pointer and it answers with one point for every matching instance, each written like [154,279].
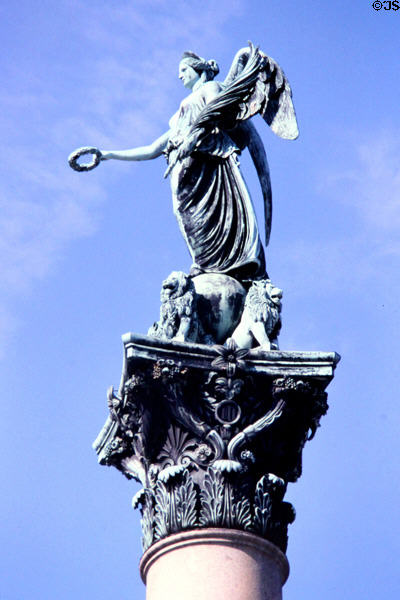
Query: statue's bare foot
[195,270]
[266,347]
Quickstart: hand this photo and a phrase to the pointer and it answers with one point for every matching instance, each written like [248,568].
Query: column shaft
[214,564]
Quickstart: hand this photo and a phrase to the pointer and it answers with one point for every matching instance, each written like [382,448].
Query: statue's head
[192,68]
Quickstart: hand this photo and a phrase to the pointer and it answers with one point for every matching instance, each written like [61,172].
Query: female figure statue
[205,136]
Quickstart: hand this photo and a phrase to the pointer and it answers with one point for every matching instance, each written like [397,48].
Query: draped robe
[211,200]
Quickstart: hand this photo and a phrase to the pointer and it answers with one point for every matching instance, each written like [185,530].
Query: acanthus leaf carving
[162,524]
[186,503]
[212,497]
[262,507]
[241,516]
[145,499]
[221,503]
[175,500]
[271,515]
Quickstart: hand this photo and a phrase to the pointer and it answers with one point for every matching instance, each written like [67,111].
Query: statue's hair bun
[199,64]
[213,66]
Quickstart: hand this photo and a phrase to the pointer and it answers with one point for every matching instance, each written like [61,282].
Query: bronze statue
[212,126]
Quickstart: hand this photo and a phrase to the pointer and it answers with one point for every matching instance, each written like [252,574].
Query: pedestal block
[214,564]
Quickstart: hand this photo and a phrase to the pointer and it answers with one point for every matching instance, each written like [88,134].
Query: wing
[255,85]
[246,135]
[259,158]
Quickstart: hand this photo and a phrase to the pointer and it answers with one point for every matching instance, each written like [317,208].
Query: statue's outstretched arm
[142,153]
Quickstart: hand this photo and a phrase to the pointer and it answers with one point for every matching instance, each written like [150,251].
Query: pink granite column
[214,564]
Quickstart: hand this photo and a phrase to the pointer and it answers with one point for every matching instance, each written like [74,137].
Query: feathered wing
[246,135]
[255,85]
[259,158]
[279,111]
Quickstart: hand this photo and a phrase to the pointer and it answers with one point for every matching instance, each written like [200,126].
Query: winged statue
[205,137]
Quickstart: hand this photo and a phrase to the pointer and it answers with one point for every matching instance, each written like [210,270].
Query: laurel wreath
[76,154]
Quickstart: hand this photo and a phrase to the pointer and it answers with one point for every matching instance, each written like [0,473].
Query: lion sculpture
[178,316]
[205,309]
[210,308]
[261,318]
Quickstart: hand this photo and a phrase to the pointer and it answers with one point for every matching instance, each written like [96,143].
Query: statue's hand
[105,155]
[185,149]
[189,144]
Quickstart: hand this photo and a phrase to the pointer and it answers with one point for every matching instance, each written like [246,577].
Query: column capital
[213,433]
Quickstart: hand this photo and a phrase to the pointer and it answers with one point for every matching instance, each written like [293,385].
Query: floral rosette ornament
[230,357]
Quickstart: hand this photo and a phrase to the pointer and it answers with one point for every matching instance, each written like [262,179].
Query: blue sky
[83,257]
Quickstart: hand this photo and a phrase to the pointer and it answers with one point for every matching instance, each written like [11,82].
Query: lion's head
[175,286]
[264,301]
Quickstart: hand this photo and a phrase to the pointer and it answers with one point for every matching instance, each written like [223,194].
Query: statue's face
[188,75]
